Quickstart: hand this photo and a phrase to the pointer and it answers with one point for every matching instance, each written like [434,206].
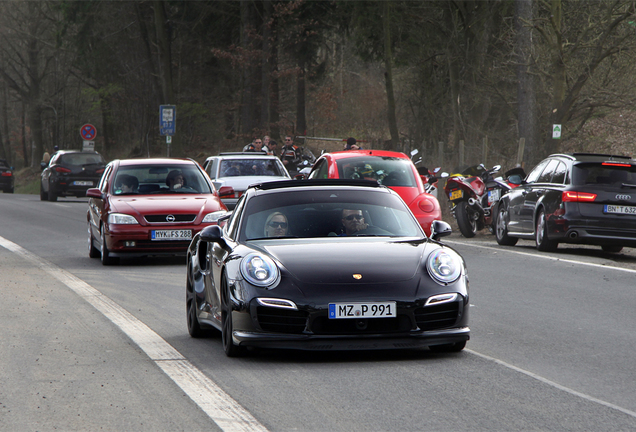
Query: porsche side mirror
[213,234]
[94,193]
[440,229]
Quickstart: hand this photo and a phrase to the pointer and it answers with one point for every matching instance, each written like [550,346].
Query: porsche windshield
[325,213]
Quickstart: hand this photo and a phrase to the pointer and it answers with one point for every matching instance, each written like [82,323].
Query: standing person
[256,146]
[273,148]
[290,154]
[352,144]
[266,141]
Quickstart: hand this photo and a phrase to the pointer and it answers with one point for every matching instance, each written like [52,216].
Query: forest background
[461,81]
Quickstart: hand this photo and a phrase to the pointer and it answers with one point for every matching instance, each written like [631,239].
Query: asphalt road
[87,347]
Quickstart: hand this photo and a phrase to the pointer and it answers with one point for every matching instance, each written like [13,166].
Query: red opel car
[149,207]
[392,169]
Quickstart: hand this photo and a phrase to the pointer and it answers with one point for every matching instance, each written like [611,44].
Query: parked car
[232,173]
[579,198]
[278,276]
[392,169]
[149,207]
[7,180]
[70,173]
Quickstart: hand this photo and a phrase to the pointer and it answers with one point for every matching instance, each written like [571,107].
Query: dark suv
[70,172]
[6,177]
[580,198]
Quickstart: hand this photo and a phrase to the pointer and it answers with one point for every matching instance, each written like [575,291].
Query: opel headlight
[122,219]
[213,217]
[445,266]
[259,270]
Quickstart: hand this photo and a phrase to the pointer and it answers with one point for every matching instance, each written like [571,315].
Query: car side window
[559,174]
[321,172]
[536,172]
[232,223]
[103,182]
[546,175]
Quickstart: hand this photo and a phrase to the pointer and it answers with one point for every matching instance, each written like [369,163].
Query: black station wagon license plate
[619,209]
[171,234]
[362,310]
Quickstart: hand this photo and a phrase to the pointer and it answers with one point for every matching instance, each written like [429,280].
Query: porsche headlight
[259,270]
[444,266]
[122,219]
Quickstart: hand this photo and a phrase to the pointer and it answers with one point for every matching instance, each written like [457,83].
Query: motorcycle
[429,178]
[473,196]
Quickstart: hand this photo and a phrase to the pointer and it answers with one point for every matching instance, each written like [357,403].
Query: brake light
[573,196]
[7,174]
[62,169]
[616,164]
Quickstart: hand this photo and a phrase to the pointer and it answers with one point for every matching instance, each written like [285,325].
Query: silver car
[232,173]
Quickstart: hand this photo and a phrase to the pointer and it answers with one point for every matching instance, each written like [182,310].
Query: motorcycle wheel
[467,224]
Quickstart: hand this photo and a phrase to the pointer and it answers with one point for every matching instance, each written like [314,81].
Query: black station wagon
[573,198]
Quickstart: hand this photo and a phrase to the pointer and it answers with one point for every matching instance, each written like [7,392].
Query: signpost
[556,131]
[168,123]
[88,133]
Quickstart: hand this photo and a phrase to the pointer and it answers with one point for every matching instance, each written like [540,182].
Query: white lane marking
[553,384]
[228,414]
[543,256]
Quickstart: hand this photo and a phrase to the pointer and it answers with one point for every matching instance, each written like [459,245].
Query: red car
[392,169]
[149,207]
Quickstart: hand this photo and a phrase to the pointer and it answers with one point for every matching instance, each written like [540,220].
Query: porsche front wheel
[230,348]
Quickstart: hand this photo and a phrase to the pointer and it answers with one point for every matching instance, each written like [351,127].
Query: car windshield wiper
[627,185]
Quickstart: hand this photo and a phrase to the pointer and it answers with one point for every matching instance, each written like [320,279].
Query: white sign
[88,146]
[556,131]
[168,139]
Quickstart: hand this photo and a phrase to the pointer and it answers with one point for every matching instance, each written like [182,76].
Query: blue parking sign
[168,119]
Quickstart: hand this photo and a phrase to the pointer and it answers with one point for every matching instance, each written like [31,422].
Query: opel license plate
[170,234]
[362,310]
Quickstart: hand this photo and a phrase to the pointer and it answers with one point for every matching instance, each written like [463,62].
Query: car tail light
[62,169]
[7,174]
[573,196]
[226,192]
[616,164]
[426,205]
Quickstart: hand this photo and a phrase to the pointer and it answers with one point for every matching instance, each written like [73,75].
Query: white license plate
[619,209]
[83,183]
[494,196]
[171,234]
[362,310]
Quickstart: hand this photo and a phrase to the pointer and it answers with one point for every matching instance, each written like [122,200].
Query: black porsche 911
[326,265]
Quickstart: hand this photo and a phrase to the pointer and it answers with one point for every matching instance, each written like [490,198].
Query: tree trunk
[162,29]
[274,102]
[388,76]
[266,65]
[526,97]
[301,119]
[25,150]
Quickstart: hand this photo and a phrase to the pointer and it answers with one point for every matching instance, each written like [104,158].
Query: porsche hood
[351,262]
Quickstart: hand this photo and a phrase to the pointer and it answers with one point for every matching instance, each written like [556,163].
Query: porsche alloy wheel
[231,349]
[541,234]
[194,329]
[501,228]
[93,252]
